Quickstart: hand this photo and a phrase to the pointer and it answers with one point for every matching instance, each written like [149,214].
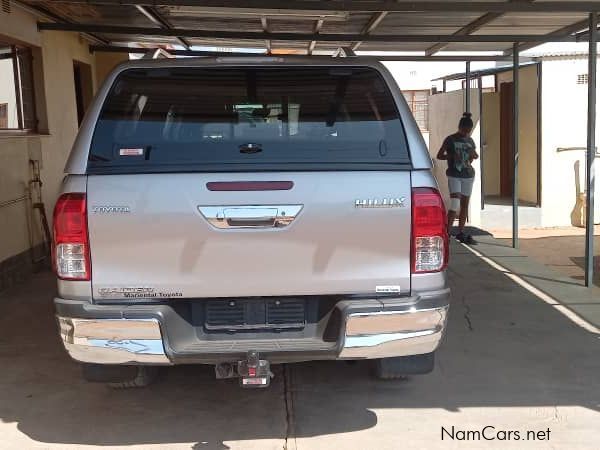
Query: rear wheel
[402,366]
[120,377]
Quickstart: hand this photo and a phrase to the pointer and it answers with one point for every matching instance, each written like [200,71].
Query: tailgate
[151,235]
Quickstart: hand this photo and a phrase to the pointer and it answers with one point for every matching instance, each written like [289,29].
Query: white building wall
[564,124]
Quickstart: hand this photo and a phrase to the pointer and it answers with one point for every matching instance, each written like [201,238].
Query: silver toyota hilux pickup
[240,212]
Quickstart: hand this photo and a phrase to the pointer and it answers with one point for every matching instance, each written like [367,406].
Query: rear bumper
[155,334]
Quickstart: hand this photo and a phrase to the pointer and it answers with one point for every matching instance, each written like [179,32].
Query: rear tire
[400,367]
[145,376]
[120,377]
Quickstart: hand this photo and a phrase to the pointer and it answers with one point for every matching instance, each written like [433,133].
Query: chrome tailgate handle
[251,216]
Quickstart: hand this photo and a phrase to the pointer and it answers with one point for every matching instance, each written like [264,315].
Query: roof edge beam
[40,11]
[584,35]
[448,58]
[569,29]
[471,27]
[144,50]
[464,31]
[372,6]
[176,32]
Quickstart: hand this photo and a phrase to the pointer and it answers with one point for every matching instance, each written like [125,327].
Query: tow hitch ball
[253,372]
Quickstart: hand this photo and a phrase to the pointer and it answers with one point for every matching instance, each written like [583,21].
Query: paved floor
[510,361]
[498,214]
[565,254]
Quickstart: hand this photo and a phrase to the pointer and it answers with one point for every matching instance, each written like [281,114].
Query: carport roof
[304,26]
[481,73]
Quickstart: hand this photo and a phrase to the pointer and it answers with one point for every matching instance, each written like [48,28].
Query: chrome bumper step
[366,331]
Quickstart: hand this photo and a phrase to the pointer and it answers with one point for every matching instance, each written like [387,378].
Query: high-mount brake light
[71,249]
[429,231]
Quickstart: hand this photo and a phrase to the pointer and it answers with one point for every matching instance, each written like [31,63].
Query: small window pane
[27,95]
[17,98]
[8,95]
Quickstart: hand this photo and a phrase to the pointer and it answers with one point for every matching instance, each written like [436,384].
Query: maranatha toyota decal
[397,202]
[136,292]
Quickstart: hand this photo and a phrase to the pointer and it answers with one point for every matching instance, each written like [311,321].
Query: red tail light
[71,250]
[429,231]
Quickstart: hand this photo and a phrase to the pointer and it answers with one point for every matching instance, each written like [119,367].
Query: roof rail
[343,52]
[157,53]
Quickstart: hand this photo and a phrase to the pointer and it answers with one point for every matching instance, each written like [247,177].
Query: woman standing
[458,150]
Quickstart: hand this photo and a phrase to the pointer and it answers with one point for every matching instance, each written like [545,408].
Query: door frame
[506,140]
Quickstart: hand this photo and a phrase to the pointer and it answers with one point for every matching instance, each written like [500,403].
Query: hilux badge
[396,202]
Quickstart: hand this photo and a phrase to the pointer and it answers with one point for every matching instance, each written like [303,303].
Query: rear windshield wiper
[250,147]
[97,158]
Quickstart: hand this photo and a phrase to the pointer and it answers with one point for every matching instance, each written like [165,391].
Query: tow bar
[253,372]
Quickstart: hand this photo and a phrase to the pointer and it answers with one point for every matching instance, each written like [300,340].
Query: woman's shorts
[463,186]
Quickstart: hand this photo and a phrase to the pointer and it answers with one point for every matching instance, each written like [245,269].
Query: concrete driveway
[510,361]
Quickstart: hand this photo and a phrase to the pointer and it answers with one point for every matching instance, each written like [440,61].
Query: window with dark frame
[16,88]
[418,102]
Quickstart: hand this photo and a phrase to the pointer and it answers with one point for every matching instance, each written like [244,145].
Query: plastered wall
[105,63]
[564,125]
[54,54]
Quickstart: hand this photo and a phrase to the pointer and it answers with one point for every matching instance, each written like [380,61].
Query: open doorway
[507,119]
[499,123]
[84,90]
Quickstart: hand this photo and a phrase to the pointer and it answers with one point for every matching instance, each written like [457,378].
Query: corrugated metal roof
[192,16]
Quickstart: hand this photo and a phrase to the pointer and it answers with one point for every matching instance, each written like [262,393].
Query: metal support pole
[481,138]
[444,86]
[468,87]
[515,136]
[591,153]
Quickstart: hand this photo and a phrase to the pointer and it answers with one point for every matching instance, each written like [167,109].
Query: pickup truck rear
[242,212]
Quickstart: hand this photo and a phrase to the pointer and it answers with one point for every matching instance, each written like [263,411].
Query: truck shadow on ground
[504,348]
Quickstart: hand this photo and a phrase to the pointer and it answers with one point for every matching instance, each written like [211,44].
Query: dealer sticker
[387,289]
[131,151]
[140,292]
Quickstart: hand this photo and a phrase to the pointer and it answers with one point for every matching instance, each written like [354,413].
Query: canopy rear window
[250,118]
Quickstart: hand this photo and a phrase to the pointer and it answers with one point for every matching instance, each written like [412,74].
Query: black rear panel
[254,314]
